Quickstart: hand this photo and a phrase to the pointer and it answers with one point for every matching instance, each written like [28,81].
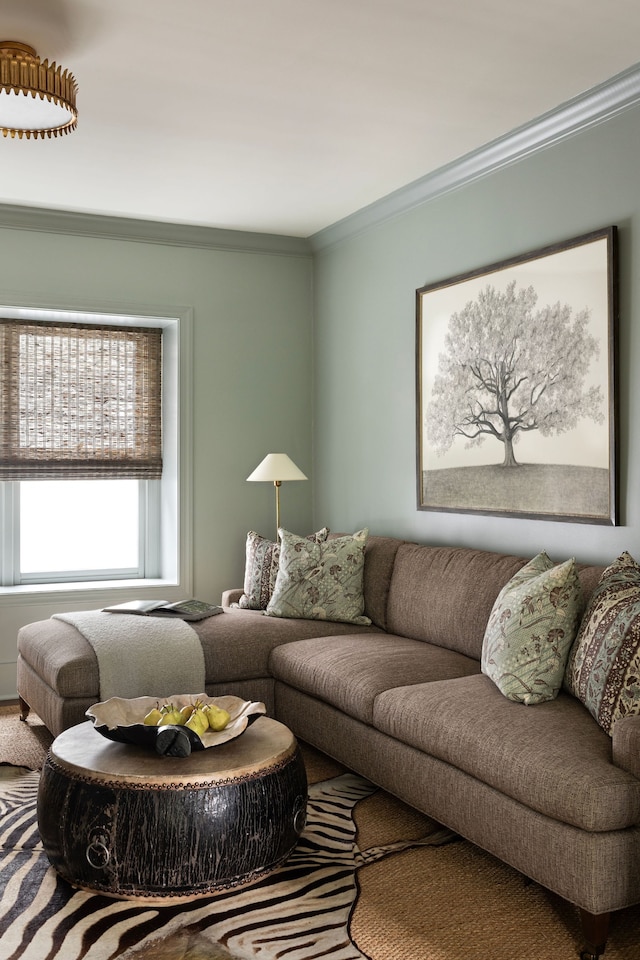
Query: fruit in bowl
[197,716]
[176,725]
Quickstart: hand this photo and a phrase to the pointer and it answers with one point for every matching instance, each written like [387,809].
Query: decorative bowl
[122,721]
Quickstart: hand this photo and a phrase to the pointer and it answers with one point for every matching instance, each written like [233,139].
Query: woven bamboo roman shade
[79,401]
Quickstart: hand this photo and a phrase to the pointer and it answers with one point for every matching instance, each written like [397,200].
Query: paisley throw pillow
[603,671]
[530,630]
[261,569]
[320,581]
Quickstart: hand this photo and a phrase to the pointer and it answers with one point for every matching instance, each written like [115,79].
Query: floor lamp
[275,468]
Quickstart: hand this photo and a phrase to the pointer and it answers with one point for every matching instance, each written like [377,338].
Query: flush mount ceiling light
[36,99]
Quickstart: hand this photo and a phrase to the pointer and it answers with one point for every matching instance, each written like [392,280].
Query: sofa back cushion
[445,594]
[379,558]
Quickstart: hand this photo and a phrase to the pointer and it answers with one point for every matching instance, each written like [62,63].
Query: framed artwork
[516,386]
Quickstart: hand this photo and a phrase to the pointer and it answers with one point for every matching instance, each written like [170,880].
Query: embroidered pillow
[261,569]
[320,581]
[530,630]
[603,671]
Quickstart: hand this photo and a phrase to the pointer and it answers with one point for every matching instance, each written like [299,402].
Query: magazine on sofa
[184,609]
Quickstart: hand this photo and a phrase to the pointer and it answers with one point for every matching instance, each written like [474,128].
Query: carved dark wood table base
[119,820]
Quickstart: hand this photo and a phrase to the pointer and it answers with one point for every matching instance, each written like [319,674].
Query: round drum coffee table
[120,820]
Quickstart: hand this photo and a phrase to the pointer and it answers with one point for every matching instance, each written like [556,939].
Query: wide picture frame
[516,395]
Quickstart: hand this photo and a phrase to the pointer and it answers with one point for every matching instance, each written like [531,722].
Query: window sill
[100,591]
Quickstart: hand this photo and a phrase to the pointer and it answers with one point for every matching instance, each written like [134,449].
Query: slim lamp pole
[277,484]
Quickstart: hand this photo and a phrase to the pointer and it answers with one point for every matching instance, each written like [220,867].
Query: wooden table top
[84,752]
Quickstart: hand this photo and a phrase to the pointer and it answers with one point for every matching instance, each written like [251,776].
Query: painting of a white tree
[516,386]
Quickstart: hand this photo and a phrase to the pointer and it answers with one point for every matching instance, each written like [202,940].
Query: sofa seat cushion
[239,645]
[350,671]
[552,757]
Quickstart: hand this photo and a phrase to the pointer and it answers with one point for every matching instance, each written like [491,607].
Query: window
[84,495]
[70,530]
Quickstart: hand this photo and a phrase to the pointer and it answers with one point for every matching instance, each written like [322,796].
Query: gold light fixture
[37,99]
[275,468]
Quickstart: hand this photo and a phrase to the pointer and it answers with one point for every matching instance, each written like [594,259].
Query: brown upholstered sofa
[404,703]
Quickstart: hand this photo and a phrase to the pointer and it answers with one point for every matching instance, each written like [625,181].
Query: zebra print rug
[300,912]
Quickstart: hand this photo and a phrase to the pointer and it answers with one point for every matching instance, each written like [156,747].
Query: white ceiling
[284,116]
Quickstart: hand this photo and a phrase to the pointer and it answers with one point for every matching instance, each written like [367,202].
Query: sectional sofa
[404,697]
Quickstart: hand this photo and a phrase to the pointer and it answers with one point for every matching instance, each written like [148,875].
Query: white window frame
[168,545]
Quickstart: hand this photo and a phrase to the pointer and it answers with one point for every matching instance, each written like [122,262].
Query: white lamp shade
[276,467]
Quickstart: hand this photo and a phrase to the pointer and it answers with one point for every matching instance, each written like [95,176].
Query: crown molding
[593,107]
[46,220]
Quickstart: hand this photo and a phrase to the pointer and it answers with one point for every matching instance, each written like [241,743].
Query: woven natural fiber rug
[449,902]
[22,744]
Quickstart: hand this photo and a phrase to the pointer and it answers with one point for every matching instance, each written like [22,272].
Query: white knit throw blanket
[141,656]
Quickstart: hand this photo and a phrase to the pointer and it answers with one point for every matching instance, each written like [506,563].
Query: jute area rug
[447,901]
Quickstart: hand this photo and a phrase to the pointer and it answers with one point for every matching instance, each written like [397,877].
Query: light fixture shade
[276,467]
[37,99]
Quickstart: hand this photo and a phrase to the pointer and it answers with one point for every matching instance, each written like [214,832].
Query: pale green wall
[333,384]
[252,330]
[365,337]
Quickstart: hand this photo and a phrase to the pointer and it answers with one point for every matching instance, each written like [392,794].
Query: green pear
[198,722]
[217,717]
[186,712]
[153,717]
[170,714]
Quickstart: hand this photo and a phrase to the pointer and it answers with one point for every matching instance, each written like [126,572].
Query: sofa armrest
[626,744]
[231,596]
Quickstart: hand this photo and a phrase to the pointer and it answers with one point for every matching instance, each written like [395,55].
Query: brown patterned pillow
[603,670]
[261,568]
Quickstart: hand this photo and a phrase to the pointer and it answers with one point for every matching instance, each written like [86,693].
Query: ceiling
[285,116]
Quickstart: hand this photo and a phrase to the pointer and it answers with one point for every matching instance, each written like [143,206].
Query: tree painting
[512,366]
[516,386]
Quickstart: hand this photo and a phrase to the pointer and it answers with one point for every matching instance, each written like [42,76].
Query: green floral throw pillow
[603,671]
[530,631]
[320,581]
[261,569]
